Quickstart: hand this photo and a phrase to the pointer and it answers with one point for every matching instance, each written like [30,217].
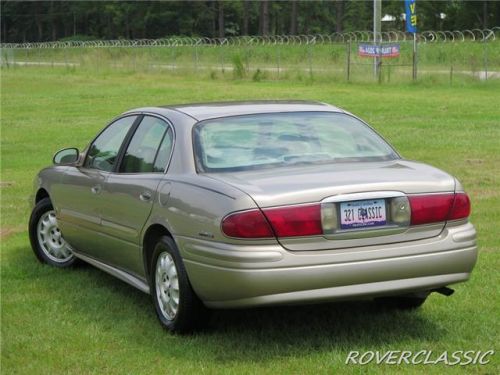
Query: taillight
[461,207]
[288,221]
[306,220]
[433,208]
[294,221]
[247,224]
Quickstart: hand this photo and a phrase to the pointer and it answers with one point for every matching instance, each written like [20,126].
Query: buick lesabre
[230,205]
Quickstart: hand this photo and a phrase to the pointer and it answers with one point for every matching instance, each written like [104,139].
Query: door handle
[96,189]
[145,196]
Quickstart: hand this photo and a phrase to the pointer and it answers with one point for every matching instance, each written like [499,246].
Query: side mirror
[66,156]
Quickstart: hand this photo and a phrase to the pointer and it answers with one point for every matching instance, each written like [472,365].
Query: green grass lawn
[84,321]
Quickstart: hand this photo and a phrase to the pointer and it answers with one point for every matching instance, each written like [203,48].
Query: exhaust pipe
[445,291]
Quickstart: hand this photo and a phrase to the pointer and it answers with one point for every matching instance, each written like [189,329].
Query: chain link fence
[442,55]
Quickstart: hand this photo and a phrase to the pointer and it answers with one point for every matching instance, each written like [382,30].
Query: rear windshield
[277,140]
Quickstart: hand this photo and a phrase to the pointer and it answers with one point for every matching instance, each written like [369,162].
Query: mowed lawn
[84,321]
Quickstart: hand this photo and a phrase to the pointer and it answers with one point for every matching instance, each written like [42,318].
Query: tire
[404,302]
[46,240]
[177,306]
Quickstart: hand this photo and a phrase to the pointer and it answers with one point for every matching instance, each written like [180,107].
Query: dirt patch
[6,183]
[487,249]
[474,161]
[9,231]
[484,193]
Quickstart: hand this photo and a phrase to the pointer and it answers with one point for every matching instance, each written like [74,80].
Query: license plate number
[361,214]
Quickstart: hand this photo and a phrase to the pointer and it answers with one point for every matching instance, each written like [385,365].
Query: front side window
[149,148]
[283,139]
[103,153]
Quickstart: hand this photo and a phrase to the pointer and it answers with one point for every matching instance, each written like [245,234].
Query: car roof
[204,111]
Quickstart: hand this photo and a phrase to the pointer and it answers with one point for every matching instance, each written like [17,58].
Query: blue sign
[411,16]
[372,50]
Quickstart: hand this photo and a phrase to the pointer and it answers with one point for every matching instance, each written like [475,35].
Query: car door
[129,192]
[79,195]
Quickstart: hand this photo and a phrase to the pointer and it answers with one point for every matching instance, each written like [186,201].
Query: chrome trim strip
[346,234]
[363,196]
[122,275]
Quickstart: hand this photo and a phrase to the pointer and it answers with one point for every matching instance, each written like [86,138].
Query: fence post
[379,71]
[309,60]
[221,56]
[196,58]
[278,59]
[485,60]
[348,52]
[174,66]
[98,58]
[247,58]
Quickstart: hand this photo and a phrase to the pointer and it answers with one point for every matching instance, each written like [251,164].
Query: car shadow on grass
[266,332]
[232,335]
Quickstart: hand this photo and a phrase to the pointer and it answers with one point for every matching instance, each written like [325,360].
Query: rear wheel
[177,306]
[46,238]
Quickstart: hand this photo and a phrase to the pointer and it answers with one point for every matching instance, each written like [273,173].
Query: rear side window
[103,152]
[283,139]
[149,147]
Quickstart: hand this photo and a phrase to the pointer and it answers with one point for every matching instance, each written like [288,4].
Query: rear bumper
[227,276]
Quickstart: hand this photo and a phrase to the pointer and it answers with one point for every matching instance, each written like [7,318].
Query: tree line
[35,21]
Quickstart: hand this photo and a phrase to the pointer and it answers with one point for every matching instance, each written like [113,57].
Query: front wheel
[177,306]
[46,239]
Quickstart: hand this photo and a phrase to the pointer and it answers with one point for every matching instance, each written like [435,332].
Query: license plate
[361,214]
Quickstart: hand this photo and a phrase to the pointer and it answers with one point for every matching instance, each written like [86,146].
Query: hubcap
[167,285]
[50,239]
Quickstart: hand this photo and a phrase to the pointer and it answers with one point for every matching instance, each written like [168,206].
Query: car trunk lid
[301,185]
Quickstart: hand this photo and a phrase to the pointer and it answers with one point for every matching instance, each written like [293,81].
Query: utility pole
[414,57]
[377,25]
[411,27]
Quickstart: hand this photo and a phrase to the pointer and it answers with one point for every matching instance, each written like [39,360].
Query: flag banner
[411,16]
[372,50]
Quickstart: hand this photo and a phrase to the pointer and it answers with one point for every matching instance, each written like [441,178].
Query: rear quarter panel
[193,206]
